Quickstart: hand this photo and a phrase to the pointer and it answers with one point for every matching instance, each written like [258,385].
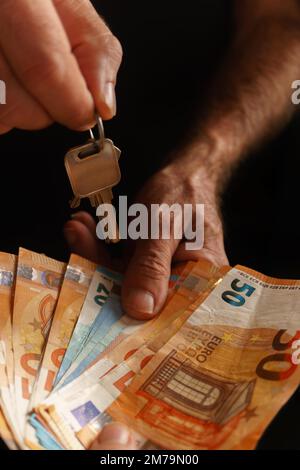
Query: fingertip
[106,102]
[81,241]
[146,281]
[138,303]
[86,219]
[71,236]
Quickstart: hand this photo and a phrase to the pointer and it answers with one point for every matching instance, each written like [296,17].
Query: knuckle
[153,265]
[52,69]
[113,48]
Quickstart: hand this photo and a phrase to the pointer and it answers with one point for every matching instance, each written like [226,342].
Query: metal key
[93,171]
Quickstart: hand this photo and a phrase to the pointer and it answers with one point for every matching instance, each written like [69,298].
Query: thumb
[97,50]
[145,286]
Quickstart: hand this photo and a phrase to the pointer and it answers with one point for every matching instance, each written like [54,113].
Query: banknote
[6,434]
[95,385]
[219,381]
[7,273]
[98,292]
[37,286]
[73,291]
[74,288]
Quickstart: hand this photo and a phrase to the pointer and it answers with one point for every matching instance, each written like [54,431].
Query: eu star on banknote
[209,372]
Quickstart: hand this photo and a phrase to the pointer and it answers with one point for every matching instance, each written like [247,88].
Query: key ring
[101,132]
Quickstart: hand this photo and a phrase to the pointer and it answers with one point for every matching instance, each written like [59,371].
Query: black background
[172,49]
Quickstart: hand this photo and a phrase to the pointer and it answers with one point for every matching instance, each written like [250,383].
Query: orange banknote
[38,282]
[220,380]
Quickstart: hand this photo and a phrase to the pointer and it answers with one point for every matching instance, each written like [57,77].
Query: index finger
[96,49]
[36,45]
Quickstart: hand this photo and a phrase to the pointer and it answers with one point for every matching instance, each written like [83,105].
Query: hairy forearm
[250,101]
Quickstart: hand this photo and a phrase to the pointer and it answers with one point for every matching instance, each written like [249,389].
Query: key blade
[107,197]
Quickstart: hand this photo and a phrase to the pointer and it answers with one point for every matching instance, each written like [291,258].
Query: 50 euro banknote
[221,379]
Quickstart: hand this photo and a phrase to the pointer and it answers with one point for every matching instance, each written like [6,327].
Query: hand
[59,62]
[145,286]
[115,436]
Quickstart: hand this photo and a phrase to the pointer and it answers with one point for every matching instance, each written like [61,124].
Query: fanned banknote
[6,434]
[97,295]
[73,291]
[7,273]
[37,287]
[209,372]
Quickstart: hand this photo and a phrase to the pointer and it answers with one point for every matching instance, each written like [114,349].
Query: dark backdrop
[171,51]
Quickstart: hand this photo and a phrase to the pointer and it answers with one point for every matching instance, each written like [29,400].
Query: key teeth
[93,201]
[74,203]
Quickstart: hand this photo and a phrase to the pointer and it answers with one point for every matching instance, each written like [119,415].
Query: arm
[248,103]
[251,99]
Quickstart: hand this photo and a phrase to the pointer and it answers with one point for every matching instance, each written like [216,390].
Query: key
[93,170]
[107,197]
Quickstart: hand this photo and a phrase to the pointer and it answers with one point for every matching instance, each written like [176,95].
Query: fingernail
[140,300]
[87,127]
[75,216]
[71,236]
[110,97]
[114,433]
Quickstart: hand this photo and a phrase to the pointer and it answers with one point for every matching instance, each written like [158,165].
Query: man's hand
[182,181]
[59,62]
[185,180]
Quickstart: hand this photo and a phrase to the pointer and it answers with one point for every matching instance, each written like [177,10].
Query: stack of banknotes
[210,372]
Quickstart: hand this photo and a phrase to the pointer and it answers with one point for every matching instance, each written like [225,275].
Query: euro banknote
[222,378]
[73,292]
[38,281]
[7,392]
[97,295]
